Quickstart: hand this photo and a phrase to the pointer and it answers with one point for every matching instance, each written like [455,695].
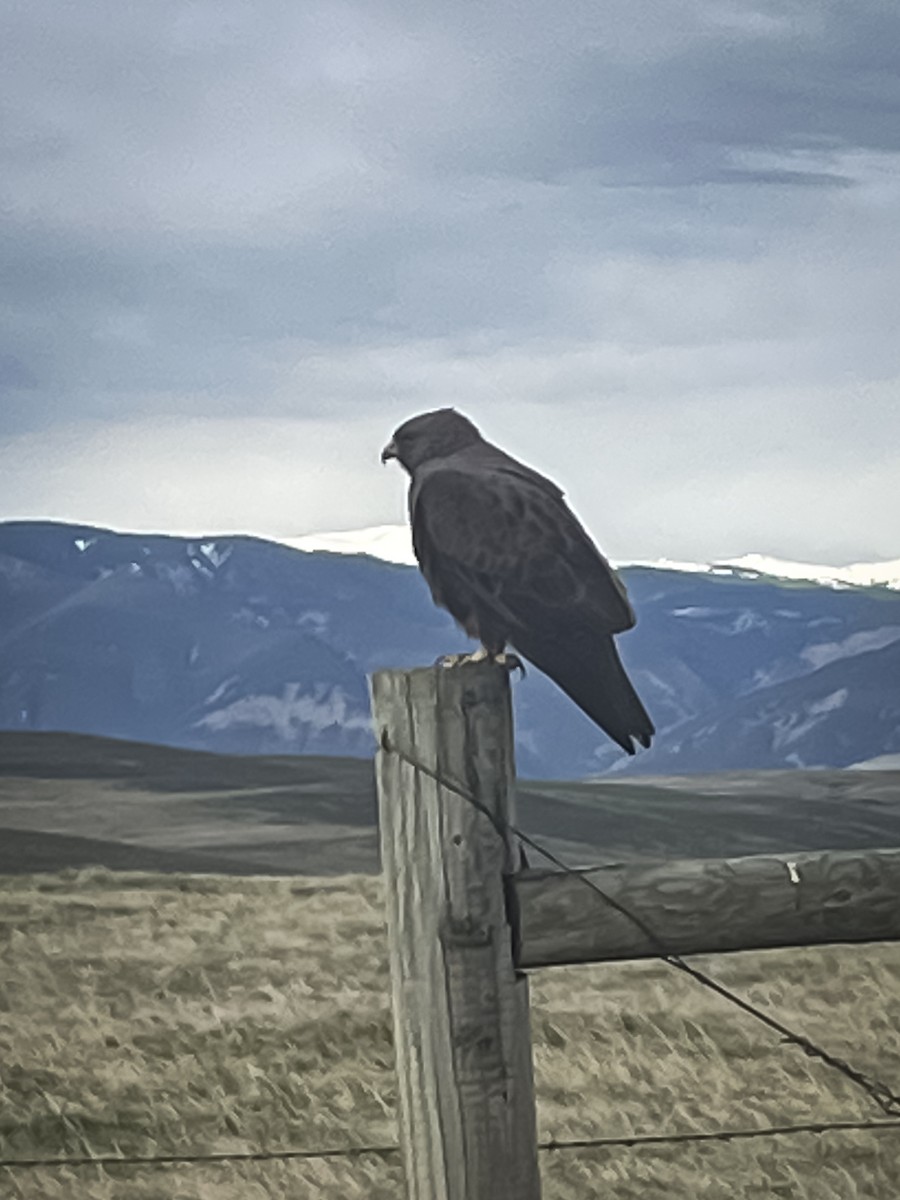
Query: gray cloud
[624,220]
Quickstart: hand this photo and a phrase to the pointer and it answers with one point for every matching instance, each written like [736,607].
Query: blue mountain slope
[242,645]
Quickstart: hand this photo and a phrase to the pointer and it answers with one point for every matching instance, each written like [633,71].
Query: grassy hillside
[134,806]
[168,1013]
[70,801]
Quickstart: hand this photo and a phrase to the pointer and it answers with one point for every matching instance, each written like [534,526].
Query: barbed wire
[886,1099]
[719,1135]
[225,1156]
[551,1145]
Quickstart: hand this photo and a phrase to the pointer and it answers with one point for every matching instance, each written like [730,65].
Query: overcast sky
[652,246]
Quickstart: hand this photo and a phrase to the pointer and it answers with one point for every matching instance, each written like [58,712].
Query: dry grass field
[176,1014]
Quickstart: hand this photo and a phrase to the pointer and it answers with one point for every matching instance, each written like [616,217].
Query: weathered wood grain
[461,1012]
[701,906]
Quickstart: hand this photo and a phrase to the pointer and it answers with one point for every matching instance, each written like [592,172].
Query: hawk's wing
[513,544]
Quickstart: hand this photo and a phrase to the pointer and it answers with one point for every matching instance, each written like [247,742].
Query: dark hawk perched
[503,553]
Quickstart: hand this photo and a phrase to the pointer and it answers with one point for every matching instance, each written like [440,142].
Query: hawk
[501,550]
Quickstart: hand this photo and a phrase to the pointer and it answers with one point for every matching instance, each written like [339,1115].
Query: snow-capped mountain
[392,543]
[240,644]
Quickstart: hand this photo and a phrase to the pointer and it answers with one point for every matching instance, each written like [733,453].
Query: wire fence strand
[720,1135]
[549,1146]
[170,1160]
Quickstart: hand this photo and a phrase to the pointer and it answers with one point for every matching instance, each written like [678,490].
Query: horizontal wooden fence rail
[704,906]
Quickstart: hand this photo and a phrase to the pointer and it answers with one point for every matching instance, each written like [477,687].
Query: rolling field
[169,1013]
[71,801]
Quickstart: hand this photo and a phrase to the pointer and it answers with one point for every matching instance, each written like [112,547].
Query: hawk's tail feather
[595,679]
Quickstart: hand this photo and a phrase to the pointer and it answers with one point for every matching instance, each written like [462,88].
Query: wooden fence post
[461,1019]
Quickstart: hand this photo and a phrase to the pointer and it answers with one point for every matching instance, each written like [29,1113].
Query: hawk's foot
[461,660]
[511,662]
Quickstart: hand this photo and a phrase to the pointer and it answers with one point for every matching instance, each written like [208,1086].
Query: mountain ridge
[244,645]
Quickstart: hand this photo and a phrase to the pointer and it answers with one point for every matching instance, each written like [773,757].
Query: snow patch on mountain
[751,566]
[793,726]
[220,691]
[860,642]
[178,575]
[314,622]
[213,554]
[290,712]
[864,574]
[393,543]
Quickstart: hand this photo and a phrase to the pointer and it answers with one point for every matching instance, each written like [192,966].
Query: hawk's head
[430,435]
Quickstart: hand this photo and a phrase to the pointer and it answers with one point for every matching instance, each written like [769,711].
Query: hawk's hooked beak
[390,451]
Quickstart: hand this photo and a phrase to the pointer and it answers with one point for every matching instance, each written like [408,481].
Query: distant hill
[73,801]
[240,645]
